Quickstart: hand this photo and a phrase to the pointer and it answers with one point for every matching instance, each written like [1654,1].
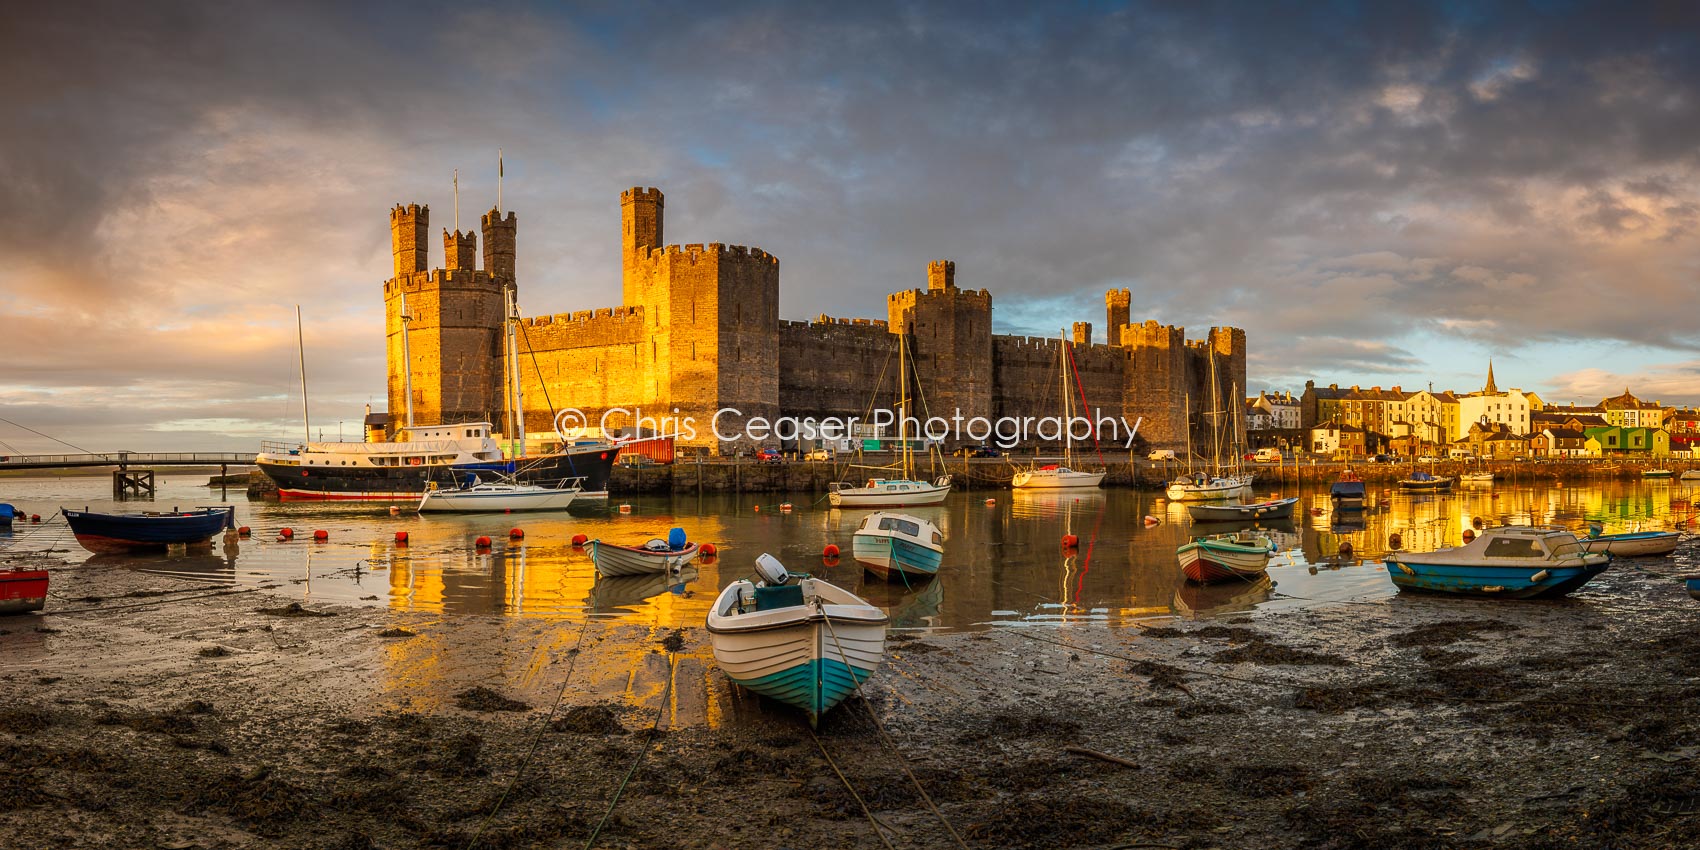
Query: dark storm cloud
[1333,177]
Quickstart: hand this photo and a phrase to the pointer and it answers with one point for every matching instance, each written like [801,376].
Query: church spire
[1490,389]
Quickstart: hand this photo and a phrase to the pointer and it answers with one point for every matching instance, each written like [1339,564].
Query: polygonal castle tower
[949,332]
[454,332]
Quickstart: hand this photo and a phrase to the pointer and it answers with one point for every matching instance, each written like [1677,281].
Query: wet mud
[1414,722]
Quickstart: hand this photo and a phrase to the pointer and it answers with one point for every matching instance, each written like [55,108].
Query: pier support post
[132,485]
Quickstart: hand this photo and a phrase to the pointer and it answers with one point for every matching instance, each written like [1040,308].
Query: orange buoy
[580,540]
[401,538]
[1070,541]
[516,534]
[625,509]
[286,532]
[244,531]
[35,517]
[1151,520]
[991,502]
[394,510]
[831,550]
[321,535]
[758,509]
[785,507]
[482,542]
[709,550]
[1469,534]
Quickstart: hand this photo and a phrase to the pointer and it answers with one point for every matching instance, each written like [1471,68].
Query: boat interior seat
[657,545]
[783,596]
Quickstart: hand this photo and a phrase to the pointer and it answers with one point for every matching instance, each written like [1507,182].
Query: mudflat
[150,712]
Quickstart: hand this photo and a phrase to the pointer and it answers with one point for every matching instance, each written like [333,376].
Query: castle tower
[1116,312]
[499,243]
[950,335]
[1082,333]
[460,251]
[941,276]
[641,213]
[409,241]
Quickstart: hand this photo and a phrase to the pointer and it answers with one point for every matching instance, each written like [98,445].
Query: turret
[460,251]
[408,238]
[641,213]
[941,275]
[1082,333]
[1116,312]
[499,237]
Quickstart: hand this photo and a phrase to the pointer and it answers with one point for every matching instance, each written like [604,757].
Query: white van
[1268,456]
[1161,454]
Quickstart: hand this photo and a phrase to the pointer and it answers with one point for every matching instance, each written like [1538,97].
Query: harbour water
[1005,563]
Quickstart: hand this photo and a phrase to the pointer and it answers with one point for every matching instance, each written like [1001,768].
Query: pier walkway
[124,460]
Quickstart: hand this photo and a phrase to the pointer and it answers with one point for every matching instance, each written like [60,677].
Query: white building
[1510,408]
[1272,410]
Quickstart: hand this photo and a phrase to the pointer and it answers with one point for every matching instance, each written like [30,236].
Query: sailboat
[894,492]
[1196,486]
[1052,476]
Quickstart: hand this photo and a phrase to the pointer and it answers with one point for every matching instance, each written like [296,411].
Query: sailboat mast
[516,399]
[301,349]
[406,361]
[903,399]
[1068,401]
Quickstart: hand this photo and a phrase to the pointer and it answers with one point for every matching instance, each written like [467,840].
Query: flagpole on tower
[457,202]
[498,178]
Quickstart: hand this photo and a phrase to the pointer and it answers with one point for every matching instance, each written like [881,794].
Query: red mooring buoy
[831,550]
[1070,541]
[482,542]
[580,540]
[709,550]
[401,538]
[516,534]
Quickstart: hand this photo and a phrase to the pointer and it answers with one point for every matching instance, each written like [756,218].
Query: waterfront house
[1617,441]
[1273,410]
[1558,442]
[1495,441]
[1510,408]
[1630,412]
[1684,427]
[1338,438]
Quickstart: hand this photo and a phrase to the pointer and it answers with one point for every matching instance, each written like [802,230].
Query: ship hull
[295,483]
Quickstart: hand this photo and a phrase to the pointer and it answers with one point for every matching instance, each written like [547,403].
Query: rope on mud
[672,669]
[42,526]
[873,821]
[535,739]
[104,608]
[902,760]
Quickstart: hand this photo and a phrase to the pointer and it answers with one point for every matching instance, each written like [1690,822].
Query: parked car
[1427,459]
[819,455]
[768,456]
[1161,454]
[978,451]
[1268,456]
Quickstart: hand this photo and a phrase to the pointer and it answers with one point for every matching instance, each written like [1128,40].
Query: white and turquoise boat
[1511,562]
[795,639]
[898,545]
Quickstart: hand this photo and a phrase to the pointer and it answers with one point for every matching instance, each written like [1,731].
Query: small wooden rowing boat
[1241,555]
[1511,562]
[22,590]
[1273,509]
[1633,544]
[798,640]
[891,544]
[106,533]
[655,556]
[1423,482]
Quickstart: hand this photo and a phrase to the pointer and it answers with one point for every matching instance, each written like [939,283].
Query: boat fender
[1406,570]
[771,571]
[625,509]
[35,517]
[1346,547]
[785,507]
[1543,575]
[1151,520]
[1493,588]
[395,510]
[1394,540]
[1469,535]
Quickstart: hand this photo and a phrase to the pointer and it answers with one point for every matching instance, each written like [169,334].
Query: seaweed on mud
[1024,724]
[486,700]
[293,609]
[1205,708]
[546,827]
[24,720]
[1266,780]
[1159,675]
[397,632]
[1451,631]
[1259,651]
[1233,634]
[258,799]
[674,641]
[179,720]
[1444,657]
[1663,804]
[214,652]
[588,720]
[458,756]
[1066,820]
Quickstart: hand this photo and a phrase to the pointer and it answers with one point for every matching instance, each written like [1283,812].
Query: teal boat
[898,545]
[1512,562]
[796,639]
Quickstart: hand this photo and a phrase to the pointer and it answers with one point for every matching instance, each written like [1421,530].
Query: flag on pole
[498,178]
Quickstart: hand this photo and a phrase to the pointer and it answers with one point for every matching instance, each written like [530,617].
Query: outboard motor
[771,571]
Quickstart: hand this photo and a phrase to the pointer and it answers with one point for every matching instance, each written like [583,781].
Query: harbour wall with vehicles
[698,331]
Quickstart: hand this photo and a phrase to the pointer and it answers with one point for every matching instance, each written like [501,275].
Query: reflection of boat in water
[1344,521]
[202,564]
[1274,509]
[1048,503]
[1284,526]
[609,593]
[915,607]
[1193,599]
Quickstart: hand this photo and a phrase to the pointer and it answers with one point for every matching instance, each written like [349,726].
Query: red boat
[22,591]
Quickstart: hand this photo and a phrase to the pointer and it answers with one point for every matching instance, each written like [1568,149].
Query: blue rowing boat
[108,533]
[1513,562]
[1694,587]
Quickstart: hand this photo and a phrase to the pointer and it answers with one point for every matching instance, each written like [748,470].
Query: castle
[699,331]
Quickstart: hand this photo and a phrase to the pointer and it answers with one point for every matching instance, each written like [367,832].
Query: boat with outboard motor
[1424,482]
[1507,562]
[796,639]
[654,556]
[898,545]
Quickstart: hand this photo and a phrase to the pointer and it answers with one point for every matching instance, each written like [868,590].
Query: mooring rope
[672,666]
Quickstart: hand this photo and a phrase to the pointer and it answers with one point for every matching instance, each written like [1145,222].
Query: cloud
[1346,183]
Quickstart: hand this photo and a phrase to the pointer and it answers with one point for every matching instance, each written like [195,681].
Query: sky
[1379,193]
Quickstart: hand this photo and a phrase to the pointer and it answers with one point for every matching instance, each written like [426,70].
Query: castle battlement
[408,211]
[637,193]
[698,249]
[622,313]
[418,281]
